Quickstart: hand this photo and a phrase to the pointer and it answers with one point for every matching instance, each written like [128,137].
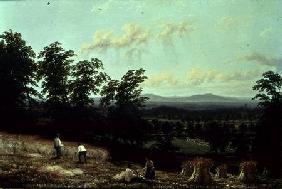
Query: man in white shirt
[58,146]
[81,152]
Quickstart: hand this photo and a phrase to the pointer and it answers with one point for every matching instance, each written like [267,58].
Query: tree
[108,93]
[54,70]
[269,88]
[17,71]
[125,116]
[125,92]
[88,78]
[129,90]
[268,138]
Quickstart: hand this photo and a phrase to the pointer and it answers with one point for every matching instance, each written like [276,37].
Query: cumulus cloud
[162,79]
[134,38]
[170,30]
[102,40]
[197,77]
[133,35]
[263,60]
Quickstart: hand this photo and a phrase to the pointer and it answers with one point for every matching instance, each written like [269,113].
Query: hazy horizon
[186,47]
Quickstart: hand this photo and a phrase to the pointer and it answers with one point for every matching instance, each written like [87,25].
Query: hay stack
[201,174]
[248,171]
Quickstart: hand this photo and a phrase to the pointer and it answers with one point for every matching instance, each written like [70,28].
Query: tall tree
[88,78]
[127,91]
[54,70]
[268,141]
[125,118]
[17,71]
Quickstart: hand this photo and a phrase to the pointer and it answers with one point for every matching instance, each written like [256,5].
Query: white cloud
[134,37]
[162,79]
[198,77]
[170,30]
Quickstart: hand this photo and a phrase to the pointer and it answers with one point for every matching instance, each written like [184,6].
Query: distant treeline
[227,113]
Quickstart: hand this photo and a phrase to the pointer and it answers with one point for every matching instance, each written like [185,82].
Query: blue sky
[186,46]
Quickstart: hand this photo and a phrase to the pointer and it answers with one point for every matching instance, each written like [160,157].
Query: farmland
[26,161]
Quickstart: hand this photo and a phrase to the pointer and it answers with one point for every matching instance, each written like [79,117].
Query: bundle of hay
[248,171]
[201,174]
[221,171]
[187,168]
[125,176]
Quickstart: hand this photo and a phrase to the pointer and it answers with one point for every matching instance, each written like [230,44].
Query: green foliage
[127,126]
[17,70]
[54,69]
[269,88]
[88,78]
[127,91]
[108,92]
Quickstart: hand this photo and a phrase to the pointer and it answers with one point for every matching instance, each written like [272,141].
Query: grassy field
[191,146]
[26,161]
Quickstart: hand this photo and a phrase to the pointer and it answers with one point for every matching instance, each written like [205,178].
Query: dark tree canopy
[88,78]
[54,70]
[125,118]
[108,92]
[269,88]
[17,71]
[127,91]
[269,133]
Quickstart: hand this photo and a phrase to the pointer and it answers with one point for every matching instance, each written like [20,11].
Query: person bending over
[81,150]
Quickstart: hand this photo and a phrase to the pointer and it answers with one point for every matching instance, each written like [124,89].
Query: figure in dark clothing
[149,169]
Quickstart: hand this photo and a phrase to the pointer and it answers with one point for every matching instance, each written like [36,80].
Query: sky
[187,47]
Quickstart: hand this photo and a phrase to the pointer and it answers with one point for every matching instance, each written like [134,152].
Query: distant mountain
[196,102]
[209,97]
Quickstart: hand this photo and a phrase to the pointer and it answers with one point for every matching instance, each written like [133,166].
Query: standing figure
[81,152]
[149,169]
[58,146]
